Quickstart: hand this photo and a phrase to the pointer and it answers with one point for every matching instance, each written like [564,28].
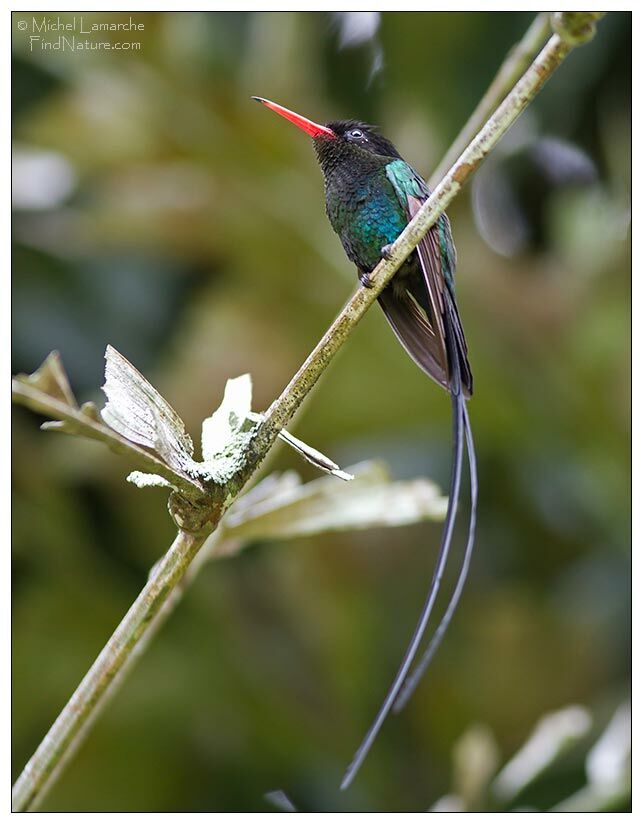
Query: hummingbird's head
[341,141]
[357,135]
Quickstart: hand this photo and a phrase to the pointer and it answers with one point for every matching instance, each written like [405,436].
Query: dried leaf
[315,457]
[51,379]
[142,415]
[33,391]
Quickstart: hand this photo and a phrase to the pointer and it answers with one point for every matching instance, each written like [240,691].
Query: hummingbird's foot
[366,280]
[386,251]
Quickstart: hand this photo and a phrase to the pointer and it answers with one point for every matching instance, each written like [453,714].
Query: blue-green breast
[367,215]
[368,210]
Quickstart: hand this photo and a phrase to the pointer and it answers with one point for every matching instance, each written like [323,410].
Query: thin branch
[75,719]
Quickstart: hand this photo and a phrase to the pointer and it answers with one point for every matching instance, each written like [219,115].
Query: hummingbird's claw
[366,280]
[386,251]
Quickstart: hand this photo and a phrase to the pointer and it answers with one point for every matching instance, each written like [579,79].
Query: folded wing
[421,310]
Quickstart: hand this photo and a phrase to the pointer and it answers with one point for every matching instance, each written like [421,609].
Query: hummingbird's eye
[356,134]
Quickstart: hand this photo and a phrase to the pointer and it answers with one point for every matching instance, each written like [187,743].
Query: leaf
[280,800]
[137,411]
[51,379]
[448,804]
[607,763]
[372,500]
[308,453]
[476,758]
[553,735]
[315,457]
[267,488]
[137,418]
[47,392]
[220,428]
[608,767]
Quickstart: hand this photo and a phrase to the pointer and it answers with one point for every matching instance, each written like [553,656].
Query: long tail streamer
[415,677]
[459,419]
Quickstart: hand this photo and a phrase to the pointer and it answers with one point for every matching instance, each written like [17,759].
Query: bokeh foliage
[158,209]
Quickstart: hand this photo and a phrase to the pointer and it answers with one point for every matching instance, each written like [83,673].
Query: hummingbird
[371,194]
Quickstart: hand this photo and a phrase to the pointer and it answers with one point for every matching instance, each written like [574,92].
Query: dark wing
[420,310]
[420,303]
[441,308]
[413,330]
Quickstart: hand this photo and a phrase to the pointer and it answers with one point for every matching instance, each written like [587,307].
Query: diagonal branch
[573,29]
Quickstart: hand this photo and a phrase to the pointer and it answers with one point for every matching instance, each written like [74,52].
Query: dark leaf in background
[512,194]
[31,83]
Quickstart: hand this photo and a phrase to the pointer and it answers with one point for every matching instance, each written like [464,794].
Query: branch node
[195,517]
[575,27]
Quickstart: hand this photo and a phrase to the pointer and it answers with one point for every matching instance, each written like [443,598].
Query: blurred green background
[157,208]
